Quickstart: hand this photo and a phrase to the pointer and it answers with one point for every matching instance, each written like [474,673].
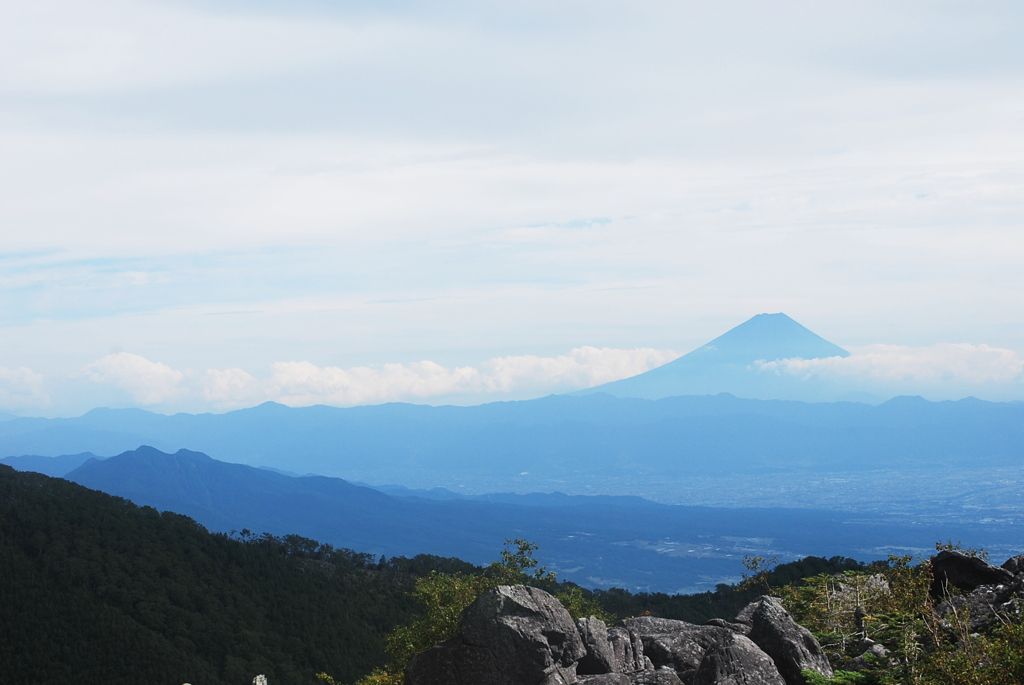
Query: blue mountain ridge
[55,467]
[564,438]
[597,542]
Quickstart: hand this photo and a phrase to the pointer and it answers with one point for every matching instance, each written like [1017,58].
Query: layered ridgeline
[595,541]
[559,442]
[732,363]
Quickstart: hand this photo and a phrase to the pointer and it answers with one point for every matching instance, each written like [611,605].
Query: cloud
[147,382]
[230,387]
[947,363]
[22,388]
[584,367]
[302,383]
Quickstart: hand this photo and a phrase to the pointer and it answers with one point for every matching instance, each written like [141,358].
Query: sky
[207,205]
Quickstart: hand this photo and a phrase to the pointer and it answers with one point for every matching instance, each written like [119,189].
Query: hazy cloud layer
[303,383]
[945,371]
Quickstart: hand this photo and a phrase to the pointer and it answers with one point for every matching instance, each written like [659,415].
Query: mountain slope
[50,466]
[98,591]
[727,364]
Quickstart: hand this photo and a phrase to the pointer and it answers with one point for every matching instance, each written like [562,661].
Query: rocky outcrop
[735,660]
[676,644]
[511,635]
[957,570]
[1015,565]
[516,635]
[790,645]
[982,606]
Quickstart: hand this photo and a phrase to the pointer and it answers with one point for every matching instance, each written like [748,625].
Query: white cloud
[584,367]
[22,388]
[302,383]
[956,364]
[230,388]
[147,382]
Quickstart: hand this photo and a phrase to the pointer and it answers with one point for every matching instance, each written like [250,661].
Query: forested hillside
[98,590]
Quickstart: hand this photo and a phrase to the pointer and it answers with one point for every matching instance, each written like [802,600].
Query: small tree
[759,568]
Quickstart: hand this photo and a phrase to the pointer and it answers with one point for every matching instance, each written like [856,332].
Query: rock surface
[677,644]
[790,645]
[742,628]
[1015,565]
[628,649]
[661,676]
[982,605]
[964,572]
[869,648]
[605,679]
[736,660]
[600,656]
[511,635]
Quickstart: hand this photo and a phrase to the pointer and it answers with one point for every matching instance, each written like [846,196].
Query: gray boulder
[677,644]
[600,656]
[746,615]
[736,660]
[1015,565]
[790,645]
[511,635]
[870,649]
[628,649]
[982,606]
[953,569]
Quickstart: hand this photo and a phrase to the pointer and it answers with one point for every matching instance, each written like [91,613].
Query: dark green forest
[99,590]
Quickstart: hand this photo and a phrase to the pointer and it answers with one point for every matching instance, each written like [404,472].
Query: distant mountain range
[728,364]
[558,442]
[595,541]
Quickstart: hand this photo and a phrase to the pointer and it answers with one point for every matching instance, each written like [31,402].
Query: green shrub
[838,678]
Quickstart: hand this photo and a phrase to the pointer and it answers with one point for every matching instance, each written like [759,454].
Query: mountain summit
[729,363]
